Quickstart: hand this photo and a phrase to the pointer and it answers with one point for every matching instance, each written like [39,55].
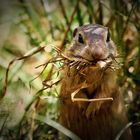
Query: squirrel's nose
[97,52]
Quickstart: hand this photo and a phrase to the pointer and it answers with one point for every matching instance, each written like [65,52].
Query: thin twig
[128,18]
[63,12]
[84,85]
[68,28]
[100,10]
[53,60]
[27,55]
[92,100]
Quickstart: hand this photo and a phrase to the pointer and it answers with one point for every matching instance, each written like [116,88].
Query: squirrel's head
[92,43]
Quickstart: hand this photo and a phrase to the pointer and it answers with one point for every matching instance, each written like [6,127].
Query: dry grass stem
[84,85]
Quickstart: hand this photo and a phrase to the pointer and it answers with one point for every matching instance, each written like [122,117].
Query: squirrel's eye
[108,37]
[80,39]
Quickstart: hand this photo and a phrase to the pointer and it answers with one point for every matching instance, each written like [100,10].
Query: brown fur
[92,120]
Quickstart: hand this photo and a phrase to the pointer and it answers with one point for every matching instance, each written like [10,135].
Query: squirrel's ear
[74,32]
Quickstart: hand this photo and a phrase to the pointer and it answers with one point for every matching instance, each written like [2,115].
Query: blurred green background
[28,25]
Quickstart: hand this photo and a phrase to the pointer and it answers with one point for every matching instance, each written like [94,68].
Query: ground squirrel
[89,74]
